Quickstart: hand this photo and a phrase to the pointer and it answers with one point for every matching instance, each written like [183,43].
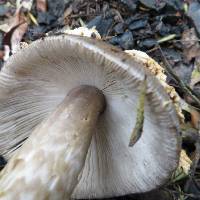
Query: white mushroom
[37,93]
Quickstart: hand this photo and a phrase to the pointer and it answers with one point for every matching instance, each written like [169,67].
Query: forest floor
[168,31]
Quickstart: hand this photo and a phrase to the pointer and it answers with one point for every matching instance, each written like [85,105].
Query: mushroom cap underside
[36,79]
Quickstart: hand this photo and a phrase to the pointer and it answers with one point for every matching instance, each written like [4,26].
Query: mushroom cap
[37,78]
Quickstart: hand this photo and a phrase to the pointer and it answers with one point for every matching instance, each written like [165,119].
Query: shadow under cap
[35,80]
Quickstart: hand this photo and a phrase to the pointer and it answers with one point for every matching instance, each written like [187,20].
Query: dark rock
[147,43]
[119,28]
[136,17]
[163,29]
[115,40]
[45,18]
[129,20]
[171,19]
[130,4]
[138,24]
[163,5]
[194,14]
[153,4]
[36,32]
[145,32]
[67,2]
[104,27]
[126,41]
[95,22]
[102,24]
[2,162]
[174,5]
[176,30]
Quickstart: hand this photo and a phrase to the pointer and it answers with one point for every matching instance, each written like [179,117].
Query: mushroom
[77,98]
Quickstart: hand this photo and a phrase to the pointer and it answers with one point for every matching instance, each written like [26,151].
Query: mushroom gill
[36,80]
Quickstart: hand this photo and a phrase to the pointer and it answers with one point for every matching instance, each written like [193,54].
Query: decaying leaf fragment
[41,5]
[185,162]
[190,43]
[138,129]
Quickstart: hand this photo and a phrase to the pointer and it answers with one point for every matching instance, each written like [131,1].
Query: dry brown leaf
[18,28]
[190,43]
[195,118]
[1,54]
[41,5]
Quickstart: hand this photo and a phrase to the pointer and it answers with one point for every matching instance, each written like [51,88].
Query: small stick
[138,129]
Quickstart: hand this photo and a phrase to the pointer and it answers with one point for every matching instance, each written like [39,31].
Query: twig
[151,50]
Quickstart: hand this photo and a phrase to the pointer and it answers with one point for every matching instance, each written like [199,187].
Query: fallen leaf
[190,43]
[195,118]
[18,27]
[41,5]
[1,54]
[27,4]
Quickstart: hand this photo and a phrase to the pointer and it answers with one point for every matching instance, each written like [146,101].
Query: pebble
[102,24]
[147,43]
[138,24]
[119,28]
[126,41]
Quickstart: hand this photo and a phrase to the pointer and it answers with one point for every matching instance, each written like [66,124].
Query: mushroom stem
[47,166]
